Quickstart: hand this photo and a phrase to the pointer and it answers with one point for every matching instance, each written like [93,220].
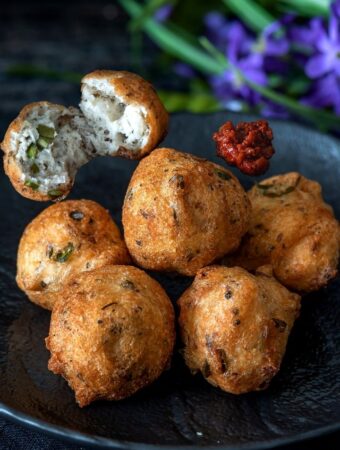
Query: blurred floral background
[275,58]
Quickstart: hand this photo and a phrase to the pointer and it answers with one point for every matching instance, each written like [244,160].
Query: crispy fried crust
[294,230]
[182,212]
[235,327]
[95,242]
[11,167]
[133,89]
[112,333]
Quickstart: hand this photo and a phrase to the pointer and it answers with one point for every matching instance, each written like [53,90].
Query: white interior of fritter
[117,124]
[47,168]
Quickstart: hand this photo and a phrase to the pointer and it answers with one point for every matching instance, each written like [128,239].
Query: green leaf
[181,101]
[184,34]
[173,43]
[307,8]
[214,52]
[275,81]
[298,86]
[251,13]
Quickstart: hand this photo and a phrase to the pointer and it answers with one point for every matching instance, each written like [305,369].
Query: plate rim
[77,437]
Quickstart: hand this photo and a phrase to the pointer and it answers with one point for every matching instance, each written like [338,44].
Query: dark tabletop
[76,37]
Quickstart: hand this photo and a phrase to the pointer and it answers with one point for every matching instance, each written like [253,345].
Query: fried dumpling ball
[120,115]
[111,334]
[43,149]
[64,240]
[182,212]
[294,230]
[125,112]
[235,327]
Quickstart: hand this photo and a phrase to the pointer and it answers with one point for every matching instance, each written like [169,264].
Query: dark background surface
[78,37]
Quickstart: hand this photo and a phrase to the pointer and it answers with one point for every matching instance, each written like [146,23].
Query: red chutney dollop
[247,146]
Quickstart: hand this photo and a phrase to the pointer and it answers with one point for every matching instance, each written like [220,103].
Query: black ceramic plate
[179,409]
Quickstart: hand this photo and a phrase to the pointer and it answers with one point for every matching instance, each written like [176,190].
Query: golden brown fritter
[294,230]
[111,334]
[24,171]
[62,241]
[130,89]
[182,212]
[235,327]
[44,147]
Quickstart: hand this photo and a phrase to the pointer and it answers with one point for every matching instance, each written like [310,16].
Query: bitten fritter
[294,230]
[182,212]
[235,327]
[121,115]
[112,333]
[43,149]
[62,241]
[125,112]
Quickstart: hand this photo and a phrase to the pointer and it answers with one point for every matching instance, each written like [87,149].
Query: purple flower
[163,13]
[235,42]
[229,85]
[322,62]
[327,45]
[254,58]
[273,40]
[232,35]
[305,36]
[325,92]
[273,45]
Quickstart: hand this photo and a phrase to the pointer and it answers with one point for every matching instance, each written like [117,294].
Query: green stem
[251,13]
[319,117]
[173,43]
[306,8]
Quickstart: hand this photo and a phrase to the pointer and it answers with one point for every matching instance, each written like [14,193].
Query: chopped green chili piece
[278,190]
[32,184]
[279,194]
[275,192]
[46,132]
[32,151]
[53,193]
[34,169]
[223,175]
[64,254]
[264,187]
[43,142]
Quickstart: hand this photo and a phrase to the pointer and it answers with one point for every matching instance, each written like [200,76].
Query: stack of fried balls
[252,255]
